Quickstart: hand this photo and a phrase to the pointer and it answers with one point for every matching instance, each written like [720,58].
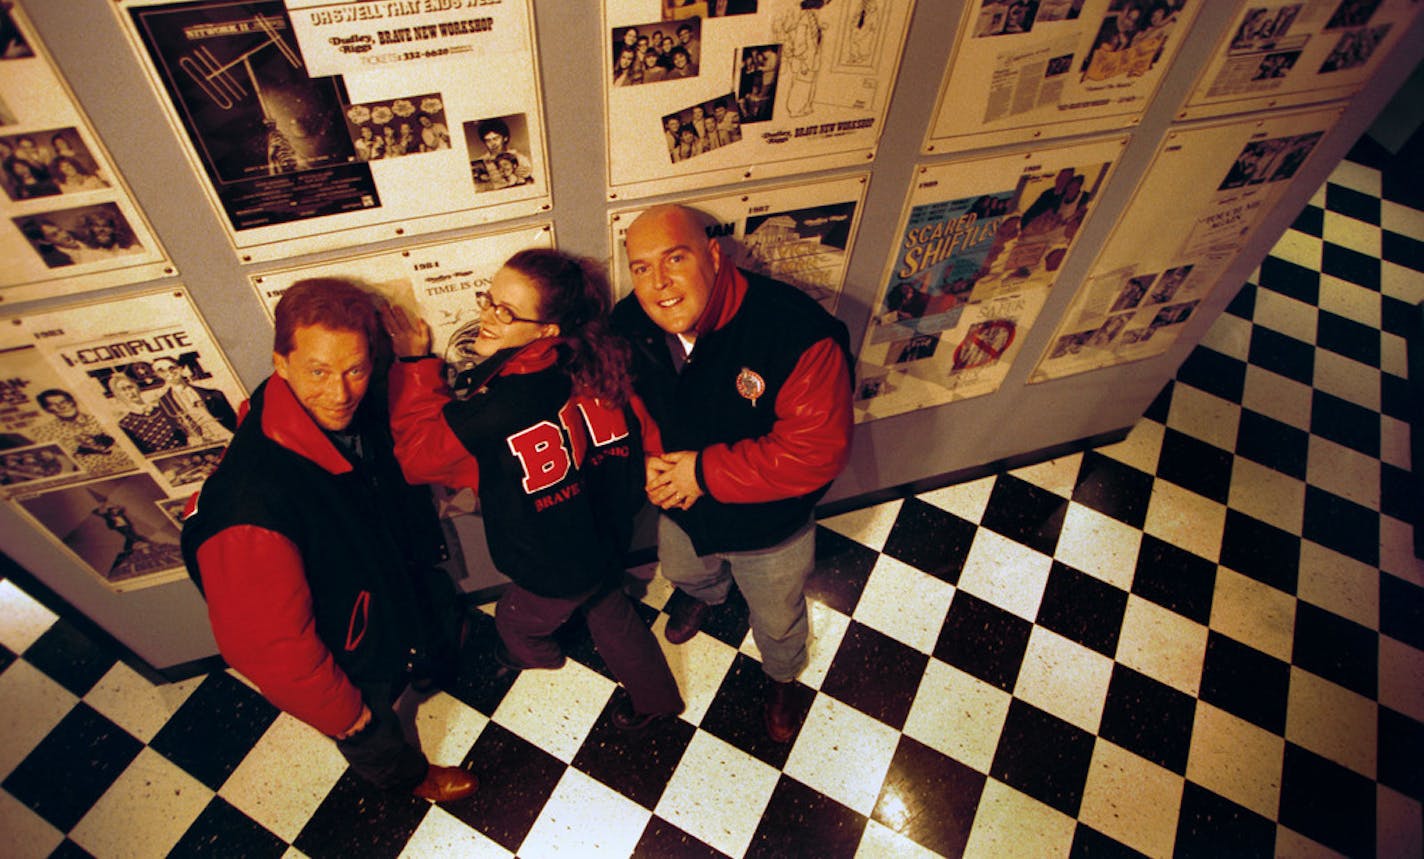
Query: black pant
[380,753]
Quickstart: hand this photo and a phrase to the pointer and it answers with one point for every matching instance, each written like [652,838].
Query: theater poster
[1026,70]
[68,223]
[722,91]
[800,234]
[1190,217]
[1279,53]
[982,243]
[438,282]
[319,125]
[113,414]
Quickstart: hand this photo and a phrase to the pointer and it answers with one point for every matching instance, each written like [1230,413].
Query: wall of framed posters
[884,155]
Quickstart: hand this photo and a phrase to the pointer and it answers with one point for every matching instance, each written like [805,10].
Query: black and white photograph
[1005,17]
[273,141]
[659,51]
[44,163]
[173,509]
[1352,13]
[912,349]
[394,127]
[12,42]
[42,462]
[804,247]
[1133,292]
[1263,27]
[1354,48]
[1293,153]
[499,147]
[702,128]
[189,467]
[1276,65]
[1170,282]
[756,82]
[79,236]
[1173,314]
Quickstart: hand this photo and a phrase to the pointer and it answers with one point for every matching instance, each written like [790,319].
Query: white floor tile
[144,813]
[958,714]
[586,818]
[555,710]
[843,753]
[698,802]
[904,603]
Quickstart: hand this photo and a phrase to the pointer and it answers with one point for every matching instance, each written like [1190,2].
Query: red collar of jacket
[287,423]
[532,357]
[725,300]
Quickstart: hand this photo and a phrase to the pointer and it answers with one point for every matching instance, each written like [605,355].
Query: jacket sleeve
[428,450]
[260,608]
[652,436]
[809,442]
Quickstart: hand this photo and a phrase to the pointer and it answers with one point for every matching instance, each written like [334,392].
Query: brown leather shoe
[446,784]
[780,711]
[685,619]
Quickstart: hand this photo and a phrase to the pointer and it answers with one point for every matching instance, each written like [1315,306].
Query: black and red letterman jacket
[559,475]
[317,570]
[764,398]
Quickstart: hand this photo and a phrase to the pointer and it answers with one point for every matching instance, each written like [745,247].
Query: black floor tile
[1327,802]
[1402,250]
[1157,409]
[7,656]
[516,780]
[1347,337]
[70,657]
[359,819]
[728,622]
[1245,682]
[215,729]
[1343,422]
[1402,610]
[1148,718]
[842,568]
[1174,578]
[1290,279]
[1370,152]
[930,539]
[1401,748]
[637,765]
[1341,525]
[1043,756]
[1209,370]
[1025,513]
[481,683]
[1113,488]
[875,674]
[1396,399]
[222,830]
[1399,493]
[1084,609]
[1282,355]
[1089,843]
[982,639]
[1193,464]
[1348,264]
[89,750]
[1273,444]
[735,714]
[929,798]
[1399,317]
[800,821]
[1263,552]
[1310,221]
[1340,650]
[1211,825]
[1352,203]
[662,840]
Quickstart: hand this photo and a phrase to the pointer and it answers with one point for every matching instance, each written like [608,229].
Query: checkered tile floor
[1207,639]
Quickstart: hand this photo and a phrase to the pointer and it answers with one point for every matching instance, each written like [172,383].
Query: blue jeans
[773,581]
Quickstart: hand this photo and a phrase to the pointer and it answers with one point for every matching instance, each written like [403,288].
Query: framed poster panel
[1281,53]
[68,222]
[721,91]
[1026,70]
[800,234]
[113,415]
[982,243]
[417,117]
[1190,217]
[437,282]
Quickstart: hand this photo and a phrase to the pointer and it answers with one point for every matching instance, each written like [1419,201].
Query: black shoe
[780,711]
[446,784]
[685,619]
[507,663]
[628,720]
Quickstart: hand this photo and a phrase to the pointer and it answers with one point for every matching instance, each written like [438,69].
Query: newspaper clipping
[1144,287]
[1026,68]
[799,234]
[339,122]
[698,96]
[113,414]
[67,221]
[982,243]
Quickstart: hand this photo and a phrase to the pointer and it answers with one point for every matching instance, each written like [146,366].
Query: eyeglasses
[502,311]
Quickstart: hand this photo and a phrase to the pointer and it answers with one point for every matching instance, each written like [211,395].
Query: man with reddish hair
[316,557]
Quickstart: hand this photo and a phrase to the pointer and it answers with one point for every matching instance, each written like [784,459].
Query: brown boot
[685,619]
[446,784]
[780,711]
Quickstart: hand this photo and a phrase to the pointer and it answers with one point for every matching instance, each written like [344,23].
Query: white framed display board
[68,222]
[417,118]
[1030,71]
[799,233]
[981,244]
[112,414]
[1284,53]
[436,281]
[1190,217]
[745,89]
